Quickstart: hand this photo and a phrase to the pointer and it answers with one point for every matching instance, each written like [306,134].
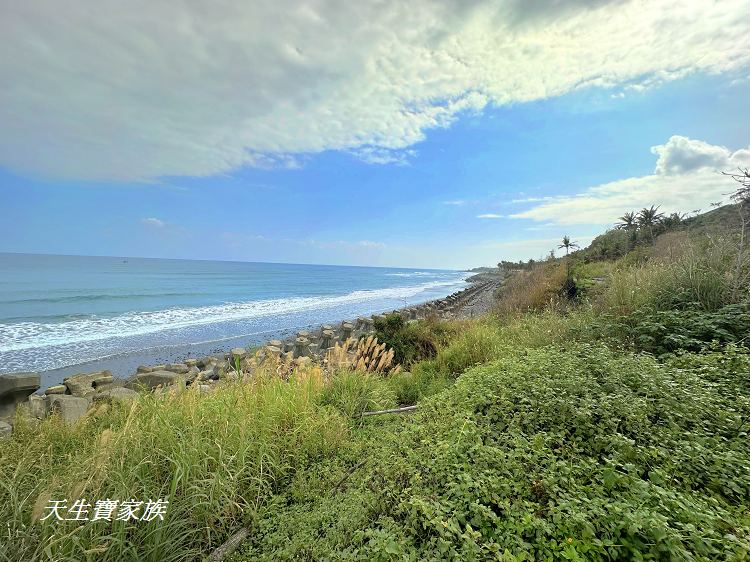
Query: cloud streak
[686,177]
[184,89]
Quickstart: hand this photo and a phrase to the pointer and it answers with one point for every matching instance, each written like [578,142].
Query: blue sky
[367,169]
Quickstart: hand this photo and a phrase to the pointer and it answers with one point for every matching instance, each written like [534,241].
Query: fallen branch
[348,474]
[392,411]
[229,546]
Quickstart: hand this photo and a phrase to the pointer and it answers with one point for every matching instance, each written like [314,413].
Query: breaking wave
[33,335]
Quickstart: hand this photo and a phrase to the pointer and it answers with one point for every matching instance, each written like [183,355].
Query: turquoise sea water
[60,311]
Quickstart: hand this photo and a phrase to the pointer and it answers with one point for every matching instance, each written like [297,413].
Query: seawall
[78,392]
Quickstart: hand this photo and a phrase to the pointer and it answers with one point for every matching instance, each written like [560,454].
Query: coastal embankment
[77,392]
[62,315]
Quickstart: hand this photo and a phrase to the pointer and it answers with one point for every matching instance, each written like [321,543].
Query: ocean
[65,314]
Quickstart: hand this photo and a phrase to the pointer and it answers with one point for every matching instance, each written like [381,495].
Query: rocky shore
[72,399]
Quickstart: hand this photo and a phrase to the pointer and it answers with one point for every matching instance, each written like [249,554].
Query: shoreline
[468,302]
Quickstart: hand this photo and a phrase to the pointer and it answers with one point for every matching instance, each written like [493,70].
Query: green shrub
[423,380]
[725,365]
[413,341]
[612,244]
[545,454]
[666,331]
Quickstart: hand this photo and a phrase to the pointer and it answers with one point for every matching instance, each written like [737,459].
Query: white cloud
[151,221]
[370,244]
[687,177]
[489,216]
[681,154]
[140,90]
[455,202]
[543,226]
[376,155]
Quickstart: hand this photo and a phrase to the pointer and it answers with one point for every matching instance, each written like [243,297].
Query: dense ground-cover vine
[578,454]
[666,331]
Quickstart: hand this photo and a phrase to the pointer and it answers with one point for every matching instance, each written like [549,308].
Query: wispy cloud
[531,247]
[236,239]
[455,202]
[544,226]
[686,177]
[377,155]
[152,221]
[370,78]
[490,216]
[344,244]
[370,244]
[530,199]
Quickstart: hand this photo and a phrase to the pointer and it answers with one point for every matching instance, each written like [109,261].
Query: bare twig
[348,474]
[392,411]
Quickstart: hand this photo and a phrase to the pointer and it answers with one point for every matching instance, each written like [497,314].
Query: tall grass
[533,290]
[354,392]
[495,336]
[636,287]
[215,457]
[591,270]
[694,274]
[701,276]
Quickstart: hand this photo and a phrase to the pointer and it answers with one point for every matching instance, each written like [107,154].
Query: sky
[415,133]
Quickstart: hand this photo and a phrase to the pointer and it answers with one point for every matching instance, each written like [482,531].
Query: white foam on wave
[433,274]
[417,274]
[33,335]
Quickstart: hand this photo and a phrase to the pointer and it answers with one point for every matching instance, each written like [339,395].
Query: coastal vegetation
[609,422]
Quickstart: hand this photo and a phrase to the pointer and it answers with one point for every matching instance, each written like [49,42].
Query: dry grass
[533,290]
[363,355]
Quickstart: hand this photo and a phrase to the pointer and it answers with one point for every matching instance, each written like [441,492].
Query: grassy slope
[554,446]
[721,219]
[570,452]
[216,457]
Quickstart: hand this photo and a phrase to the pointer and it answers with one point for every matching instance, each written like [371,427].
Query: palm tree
[649,218]
[674,220]
[628,221]
[570,287]
[567,244]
